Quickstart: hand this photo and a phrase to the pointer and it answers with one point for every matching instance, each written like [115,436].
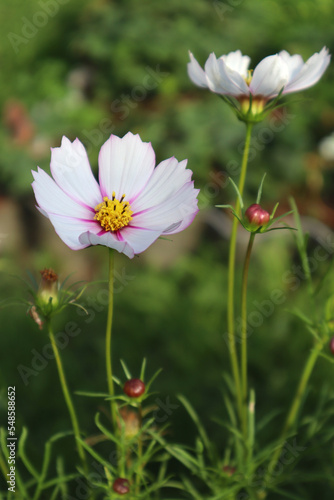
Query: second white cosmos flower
[132,205]
[229,75]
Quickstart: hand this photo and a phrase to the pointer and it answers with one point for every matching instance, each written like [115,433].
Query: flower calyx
[48,288]
[49,296]
[252,109]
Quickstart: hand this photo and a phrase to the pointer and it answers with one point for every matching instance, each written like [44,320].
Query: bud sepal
[256,219]
[252,110]
[135,390]
[49,297]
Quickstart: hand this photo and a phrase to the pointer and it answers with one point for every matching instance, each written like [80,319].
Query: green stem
[3,467]
[68,399]
[46,461]
[231,275]
[244,332]
[139,450]
[302,249]
[108,340]
[296,403]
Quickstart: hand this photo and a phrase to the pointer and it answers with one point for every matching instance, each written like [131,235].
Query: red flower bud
[121,486]
[229,470]
[331,345]
[134,388]
[257,216]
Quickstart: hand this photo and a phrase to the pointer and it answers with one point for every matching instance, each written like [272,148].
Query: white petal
[167,178]
[224,80]
[235,82]
[107,239]
[71,170]
[294,63]
[139,239]
[169,215]
[237,62]
[215,80]
[185,222]
[52,200]
[70,229]
[310,73]
[270,75]
[125,166]
[196,73]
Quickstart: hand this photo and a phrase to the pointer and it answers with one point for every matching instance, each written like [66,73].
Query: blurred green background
[85,69]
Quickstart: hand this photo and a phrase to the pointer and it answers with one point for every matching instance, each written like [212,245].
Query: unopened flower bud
[121,486]
[331,345]
[229,470]
[257,216]
[131,422]
[48,288]
[134,388]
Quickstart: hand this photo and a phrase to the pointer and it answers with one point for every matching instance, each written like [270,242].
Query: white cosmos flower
[133,203]
[229,74]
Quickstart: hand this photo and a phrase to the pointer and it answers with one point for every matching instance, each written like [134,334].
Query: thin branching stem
[244,332]
[295,406]
[108,340]
[231,276]
[68,399]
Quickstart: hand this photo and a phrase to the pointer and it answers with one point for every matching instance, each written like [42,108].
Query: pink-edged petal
[224,80]
[270,75]
[69,229]
[167,178]
[184,223]
[139,239]
[43,212]
[310,73]
[178,207]
[52,200]
[125,165]
[196,73]
[71,170]
[237,62]
[107,239]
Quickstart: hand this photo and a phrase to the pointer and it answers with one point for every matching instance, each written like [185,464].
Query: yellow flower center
[113,214]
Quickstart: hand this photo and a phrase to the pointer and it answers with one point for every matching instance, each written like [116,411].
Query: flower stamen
[113,214]
[249,77]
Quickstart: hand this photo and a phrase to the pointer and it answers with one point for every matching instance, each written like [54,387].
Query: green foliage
[101,67]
